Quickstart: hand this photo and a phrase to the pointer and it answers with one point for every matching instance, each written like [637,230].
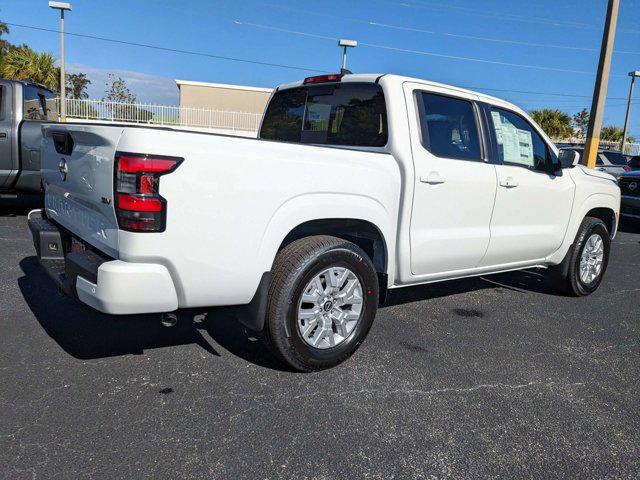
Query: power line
[425,53]
[551,94]
[495,40]
[504,16]
[446,34]
[173,50]
[483,13]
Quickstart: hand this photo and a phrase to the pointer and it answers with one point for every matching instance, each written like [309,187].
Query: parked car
[634,163]
[356,185]
[630,187]
[608,161]
[24,106]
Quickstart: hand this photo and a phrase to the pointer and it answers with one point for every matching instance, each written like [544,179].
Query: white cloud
[147,88]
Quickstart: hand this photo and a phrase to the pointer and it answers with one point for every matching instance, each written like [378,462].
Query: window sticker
[517,144]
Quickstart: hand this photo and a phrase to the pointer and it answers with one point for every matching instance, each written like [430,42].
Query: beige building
[218,96]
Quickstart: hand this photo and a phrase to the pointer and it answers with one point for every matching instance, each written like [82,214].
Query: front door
[455,185]
[533,206]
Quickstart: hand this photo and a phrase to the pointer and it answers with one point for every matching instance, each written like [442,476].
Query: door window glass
[518,143]
[448,126]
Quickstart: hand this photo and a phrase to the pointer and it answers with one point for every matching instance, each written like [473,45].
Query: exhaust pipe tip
[168,319]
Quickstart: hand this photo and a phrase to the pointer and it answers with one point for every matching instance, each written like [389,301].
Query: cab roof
[400,79]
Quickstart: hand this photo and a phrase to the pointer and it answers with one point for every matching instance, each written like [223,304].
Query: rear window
[39,104]
[349,114]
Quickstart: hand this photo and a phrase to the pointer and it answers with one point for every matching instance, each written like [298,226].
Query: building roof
[223,85]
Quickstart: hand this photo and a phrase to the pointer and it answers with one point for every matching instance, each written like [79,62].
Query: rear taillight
[626,169]
[139,206]
[333,77]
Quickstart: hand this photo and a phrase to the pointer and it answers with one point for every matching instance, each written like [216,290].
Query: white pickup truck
[355,185]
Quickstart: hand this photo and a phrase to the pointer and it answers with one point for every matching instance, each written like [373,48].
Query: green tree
[124,106]
[77,84]
[611,133]
[581,122]
[555,123]
[23,63]
[117,90]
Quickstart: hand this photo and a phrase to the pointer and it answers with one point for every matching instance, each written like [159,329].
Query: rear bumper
[110,286]
[630,206]
[125,288]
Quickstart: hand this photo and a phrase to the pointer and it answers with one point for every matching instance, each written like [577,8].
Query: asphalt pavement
[495,377]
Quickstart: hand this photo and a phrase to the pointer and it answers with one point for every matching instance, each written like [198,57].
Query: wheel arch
[607,215]
[360,219]
[360,232]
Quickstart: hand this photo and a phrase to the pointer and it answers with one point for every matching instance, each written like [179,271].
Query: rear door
[78,169]
[533,206]
[455,185]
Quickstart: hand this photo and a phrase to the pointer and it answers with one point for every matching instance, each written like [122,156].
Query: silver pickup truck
[24,107]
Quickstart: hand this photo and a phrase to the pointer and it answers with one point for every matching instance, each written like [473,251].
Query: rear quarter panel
[232,202]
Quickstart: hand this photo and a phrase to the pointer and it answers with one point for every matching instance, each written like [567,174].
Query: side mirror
[568,158]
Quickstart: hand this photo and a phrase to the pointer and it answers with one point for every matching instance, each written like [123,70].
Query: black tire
[294,267]
[566,276]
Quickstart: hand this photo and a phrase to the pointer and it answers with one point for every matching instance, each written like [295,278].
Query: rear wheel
[322,301]
[582,270]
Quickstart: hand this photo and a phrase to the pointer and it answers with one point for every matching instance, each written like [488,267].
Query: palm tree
[611,133]
[23,63]
[4,45]
[555,123]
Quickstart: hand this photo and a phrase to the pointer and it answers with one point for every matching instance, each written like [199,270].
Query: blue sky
[534,45]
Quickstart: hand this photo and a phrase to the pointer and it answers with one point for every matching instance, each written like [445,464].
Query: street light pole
[62,6]
[346,44]
[600,91]
[633,76]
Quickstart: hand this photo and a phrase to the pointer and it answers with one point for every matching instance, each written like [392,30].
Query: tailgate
[77,172]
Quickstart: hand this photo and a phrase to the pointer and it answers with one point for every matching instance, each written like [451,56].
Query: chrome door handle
[3,134]
[434,178]
[509,182]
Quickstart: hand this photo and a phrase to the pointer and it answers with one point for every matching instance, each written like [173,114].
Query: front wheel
[322,301]
[582,270]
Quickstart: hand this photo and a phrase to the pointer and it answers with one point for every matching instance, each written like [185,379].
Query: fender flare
[318,206]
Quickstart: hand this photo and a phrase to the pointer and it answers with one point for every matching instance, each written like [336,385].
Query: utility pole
[600,91]
[633,76]
[62,6]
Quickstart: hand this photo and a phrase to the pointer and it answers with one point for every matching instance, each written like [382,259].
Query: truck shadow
[521,281]
[87,334]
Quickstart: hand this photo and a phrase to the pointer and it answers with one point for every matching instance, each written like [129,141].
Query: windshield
[616,158]
[350,114]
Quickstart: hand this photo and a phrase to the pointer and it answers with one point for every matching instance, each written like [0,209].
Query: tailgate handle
[63,142]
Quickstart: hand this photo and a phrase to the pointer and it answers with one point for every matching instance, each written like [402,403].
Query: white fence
[162,115]
[632,149]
